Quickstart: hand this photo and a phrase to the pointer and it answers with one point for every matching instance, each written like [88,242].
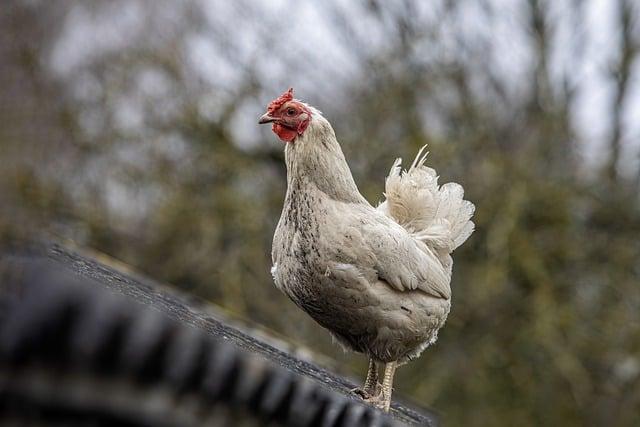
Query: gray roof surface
[72,328]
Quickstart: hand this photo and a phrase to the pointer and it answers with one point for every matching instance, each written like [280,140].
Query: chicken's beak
[266,118]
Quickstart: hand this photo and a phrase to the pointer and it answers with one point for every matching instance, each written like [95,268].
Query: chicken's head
[289,116]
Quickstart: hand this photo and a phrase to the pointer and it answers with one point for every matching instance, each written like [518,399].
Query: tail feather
[436,215]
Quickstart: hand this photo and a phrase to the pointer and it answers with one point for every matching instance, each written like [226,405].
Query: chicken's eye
[291,112]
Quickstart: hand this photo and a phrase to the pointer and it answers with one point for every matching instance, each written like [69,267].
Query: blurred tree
[129,127]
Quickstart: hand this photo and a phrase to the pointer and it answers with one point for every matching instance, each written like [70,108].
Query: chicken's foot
[383,399]
[371,387]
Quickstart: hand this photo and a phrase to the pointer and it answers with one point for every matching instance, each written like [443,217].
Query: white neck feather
[316,157]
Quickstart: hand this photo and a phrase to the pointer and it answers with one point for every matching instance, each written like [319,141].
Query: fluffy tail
[436,215]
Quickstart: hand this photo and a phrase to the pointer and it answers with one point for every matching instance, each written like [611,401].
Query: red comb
[279,101]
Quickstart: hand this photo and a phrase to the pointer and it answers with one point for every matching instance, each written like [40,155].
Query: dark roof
[83,343]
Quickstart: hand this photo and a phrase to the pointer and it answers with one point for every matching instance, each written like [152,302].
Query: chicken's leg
[383,399]
[371,386]
[387,385]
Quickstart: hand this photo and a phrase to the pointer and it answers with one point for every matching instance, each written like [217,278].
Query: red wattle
[284,133]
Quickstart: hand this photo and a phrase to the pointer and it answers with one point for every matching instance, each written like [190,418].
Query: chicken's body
[326,252]
[381,288]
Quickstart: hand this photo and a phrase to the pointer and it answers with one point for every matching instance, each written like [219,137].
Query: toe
[377,402]
[362,393]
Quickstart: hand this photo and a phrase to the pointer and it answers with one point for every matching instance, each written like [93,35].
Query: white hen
[377,279]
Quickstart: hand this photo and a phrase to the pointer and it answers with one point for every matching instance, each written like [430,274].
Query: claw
[367,393]
[362,393]
[380,401]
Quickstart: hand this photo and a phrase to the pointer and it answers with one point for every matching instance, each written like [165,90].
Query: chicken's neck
[315,162]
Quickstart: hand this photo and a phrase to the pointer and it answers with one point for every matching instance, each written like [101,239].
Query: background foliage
[130,127]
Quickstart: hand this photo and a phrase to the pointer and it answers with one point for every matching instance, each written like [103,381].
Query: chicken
[376,278]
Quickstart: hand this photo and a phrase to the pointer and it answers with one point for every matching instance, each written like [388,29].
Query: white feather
[436,215]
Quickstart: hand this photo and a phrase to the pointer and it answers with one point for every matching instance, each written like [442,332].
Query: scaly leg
[387,384]
[383,399]
[371,386]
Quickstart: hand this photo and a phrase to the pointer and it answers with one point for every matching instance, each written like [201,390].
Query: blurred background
[131,127]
